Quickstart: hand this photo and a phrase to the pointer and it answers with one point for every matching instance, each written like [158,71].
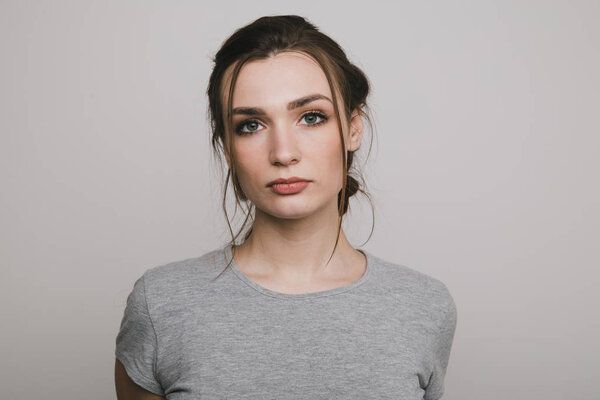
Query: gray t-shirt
[386,336]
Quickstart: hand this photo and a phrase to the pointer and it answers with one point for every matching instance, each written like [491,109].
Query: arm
[441,350]
[135,351]
[127,389]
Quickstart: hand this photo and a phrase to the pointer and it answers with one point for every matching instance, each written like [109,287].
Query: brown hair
[265,37]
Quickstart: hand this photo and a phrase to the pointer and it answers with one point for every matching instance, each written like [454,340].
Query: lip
[292,179]
[289,188]
[290,185]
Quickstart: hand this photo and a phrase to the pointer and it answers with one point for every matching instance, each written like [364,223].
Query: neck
[295,249]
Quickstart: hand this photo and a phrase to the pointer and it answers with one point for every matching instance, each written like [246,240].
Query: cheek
[326,142]
[329,159]
[248,166]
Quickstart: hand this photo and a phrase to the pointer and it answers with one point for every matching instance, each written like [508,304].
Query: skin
[293,235]
[129,390]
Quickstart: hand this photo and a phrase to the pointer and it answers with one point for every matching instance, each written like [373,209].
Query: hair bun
[352,187]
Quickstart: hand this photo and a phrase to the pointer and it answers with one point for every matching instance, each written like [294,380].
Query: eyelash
[238,129]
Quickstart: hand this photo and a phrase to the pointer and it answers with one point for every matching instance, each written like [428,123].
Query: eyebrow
[291,105]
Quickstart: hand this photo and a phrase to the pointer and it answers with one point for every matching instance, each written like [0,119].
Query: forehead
[276,80]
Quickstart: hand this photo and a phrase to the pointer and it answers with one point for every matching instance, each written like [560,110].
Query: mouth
[293,179]
[287,186]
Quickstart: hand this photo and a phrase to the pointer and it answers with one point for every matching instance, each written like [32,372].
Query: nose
[284,148]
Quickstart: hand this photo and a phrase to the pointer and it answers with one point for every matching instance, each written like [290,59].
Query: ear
[356,130]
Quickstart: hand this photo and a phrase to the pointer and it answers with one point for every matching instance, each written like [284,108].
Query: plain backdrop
[484,174]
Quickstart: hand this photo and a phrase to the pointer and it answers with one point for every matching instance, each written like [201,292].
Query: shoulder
[203,265]
[414,288]
[183,278]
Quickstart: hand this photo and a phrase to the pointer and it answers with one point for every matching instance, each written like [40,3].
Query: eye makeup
[247,123]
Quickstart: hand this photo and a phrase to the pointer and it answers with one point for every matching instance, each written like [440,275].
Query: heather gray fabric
[385,336]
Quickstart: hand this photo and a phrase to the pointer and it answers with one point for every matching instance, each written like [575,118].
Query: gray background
[484,175]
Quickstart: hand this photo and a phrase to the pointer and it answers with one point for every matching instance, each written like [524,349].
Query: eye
[252,126]
[314,118]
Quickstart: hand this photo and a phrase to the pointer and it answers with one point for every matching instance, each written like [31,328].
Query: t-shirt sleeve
[136,341]
[441,348]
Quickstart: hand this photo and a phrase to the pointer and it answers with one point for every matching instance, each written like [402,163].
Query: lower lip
[289,188]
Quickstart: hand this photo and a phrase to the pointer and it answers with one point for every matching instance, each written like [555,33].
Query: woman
[293,311]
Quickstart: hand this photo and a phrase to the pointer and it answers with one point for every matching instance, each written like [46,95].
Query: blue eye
[251,124]
[312,118]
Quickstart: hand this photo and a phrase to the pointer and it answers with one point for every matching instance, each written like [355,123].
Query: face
[284,126]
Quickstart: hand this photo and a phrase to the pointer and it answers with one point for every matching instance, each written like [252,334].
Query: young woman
[293,311]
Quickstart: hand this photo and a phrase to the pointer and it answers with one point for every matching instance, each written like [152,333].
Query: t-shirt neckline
[227,255]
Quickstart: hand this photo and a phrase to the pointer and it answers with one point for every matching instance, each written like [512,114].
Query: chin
[287,210]
[298,210]
[289,213]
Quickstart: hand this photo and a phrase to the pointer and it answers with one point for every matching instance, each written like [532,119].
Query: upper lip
[287,180]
